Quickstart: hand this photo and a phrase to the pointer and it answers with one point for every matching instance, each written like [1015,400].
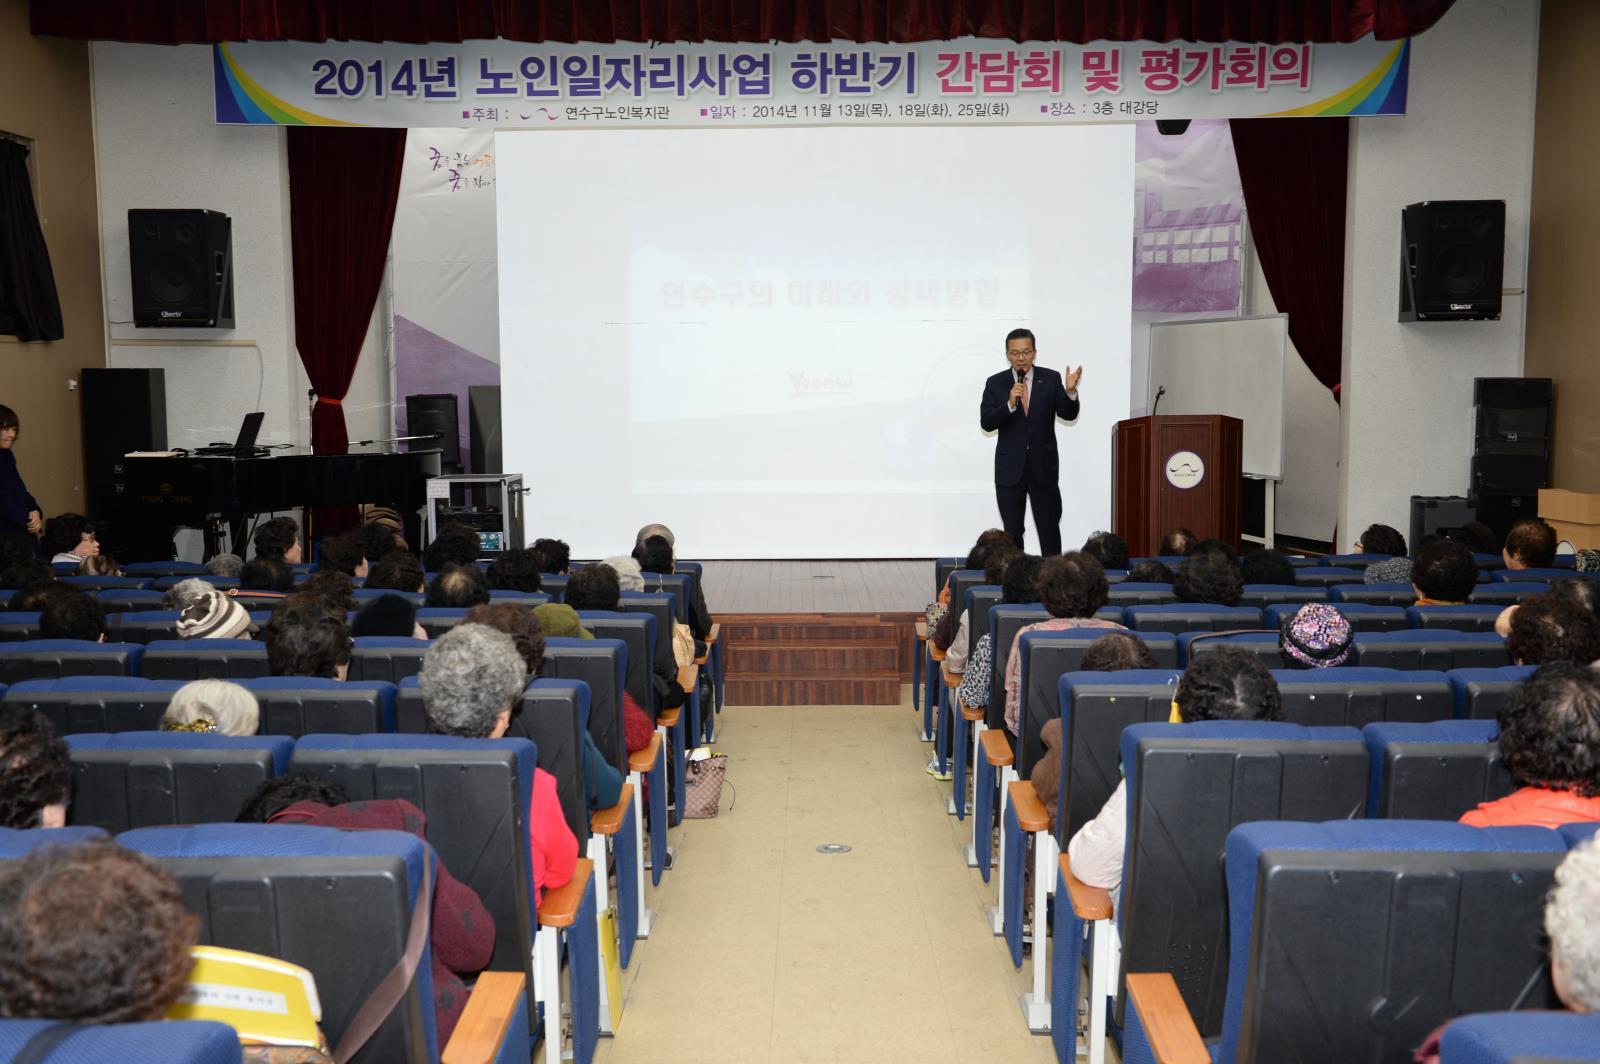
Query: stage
[818,633]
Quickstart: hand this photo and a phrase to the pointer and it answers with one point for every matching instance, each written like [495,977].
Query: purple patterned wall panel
[426,363]
[1187,222]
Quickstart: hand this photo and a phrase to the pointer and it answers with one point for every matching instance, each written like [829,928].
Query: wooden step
[819,658]
[788,689]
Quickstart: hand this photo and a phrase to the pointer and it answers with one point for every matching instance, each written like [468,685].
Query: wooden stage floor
[768,587]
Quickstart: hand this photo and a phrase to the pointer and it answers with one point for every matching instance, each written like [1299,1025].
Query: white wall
[157,145]
[1467,134]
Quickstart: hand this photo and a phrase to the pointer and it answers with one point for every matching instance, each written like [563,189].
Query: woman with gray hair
[471,679]
[629,576]
[212,706]
[1569,920]
[185,593]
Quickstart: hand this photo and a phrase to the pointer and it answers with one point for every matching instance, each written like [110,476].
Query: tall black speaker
[181,262]
[483,428]
[435,415]
[1452,257]
[122,410]
[1512,421]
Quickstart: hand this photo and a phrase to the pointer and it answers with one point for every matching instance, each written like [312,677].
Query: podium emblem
[1185,470]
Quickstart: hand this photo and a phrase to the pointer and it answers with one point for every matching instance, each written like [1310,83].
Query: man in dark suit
[1021,404]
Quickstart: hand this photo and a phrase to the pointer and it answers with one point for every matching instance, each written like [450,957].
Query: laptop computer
[245,445]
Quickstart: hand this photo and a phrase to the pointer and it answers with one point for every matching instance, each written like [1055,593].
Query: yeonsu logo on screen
[804,385]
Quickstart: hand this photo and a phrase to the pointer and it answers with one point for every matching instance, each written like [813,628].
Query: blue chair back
[1263,645]
[1430,649]
[601,664]
[1481,694]
[170,1041]
[1356,697]
[1506,593]
[336,902]
[1176,617]
[1326,575]
[148,779]
[88,704]
[1434,771]
[1468,618]
[1263,595]
[50,659]
[1382,593]
[1141,594]
[204,659]
[16,843]
[386,658]
[1521,1038]
[119,601]
[306,705]
[1095,708]
[18,625]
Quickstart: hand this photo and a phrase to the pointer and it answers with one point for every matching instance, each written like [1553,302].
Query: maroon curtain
[343,182]
[1293,171]
[753,21]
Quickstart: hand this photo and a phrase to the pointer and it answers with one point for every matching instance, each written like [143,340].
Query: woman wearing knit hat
[213,615]
[1316,637]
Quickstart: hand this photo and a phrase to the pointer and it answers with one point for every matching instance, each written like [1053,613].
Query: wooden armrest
[688,676]
[995,748]
[713,635]
[481,1030]
[559,907]
[922,631]
[609,821]
[969,713]
[668,718]
[1167,1023]
[1090,903]
[702,659]
[1031,813]
[934,651]
[642,761]
[952,680]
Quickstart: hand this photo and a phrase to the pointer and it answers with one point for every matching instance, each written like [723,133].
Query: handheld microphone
[1157,404]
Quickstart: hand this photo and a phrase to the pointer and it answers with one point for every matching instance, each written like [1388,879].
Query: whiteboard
[1231,366]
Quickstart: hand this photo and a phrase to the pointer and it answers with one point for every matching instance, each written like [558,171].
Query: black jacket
[1026,442]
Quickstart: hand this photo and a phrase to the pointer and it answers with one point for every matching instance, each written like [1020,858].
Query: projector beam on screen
[775,340]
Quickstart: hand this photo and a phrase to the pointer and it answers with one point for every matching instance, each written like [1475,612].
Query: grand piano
[194,490]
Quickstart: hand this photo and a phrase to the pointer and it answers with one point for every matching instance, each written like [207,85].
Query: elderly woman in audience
[515,570]
[225,565]
[1550,744]
[212,706]
[1072,587]
[457,587]
[596,587]
[185,593]
[70,538]
[378,540]
[557,620]
[994,569]
[1177,543]
[1580,591]
[555,557]
[337,588]
[345,553]
[629,576]
[279,539]
[391,615]
[1553,627]
[398,571]
[35,774]
[36,591]
[602,783]
[460,929]
[1112,652]
[71,614]
[655,555]
[1382,539]
[1223,684]
[1110,549]
[1208,576]
[942,614]
[307,637]
[1267,566]
[271,575]
[99,565]
[1443,573]
[210,614]
[1150,571]
[1531,544]
[471,680]
[456,544]
[1317,637]
[91,933]
[1019,585]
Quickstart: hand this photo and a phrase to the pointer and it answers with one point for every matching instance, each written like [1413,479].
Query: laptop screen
[249,430]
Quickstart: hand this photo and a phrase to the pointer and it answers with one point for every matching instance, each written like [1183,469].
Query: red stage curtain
[343,183]
[1294,174]
[420,21]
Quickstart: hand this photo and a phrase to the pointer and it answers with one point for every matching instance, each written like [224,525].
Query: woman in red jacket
[1550,743]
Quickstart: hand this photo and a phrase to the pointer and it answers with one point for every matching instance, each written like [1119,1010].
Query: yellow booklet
[268,1001]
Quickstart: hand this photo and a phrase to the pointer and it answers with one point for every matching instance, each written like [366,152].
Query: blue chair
[1361,937]
[529,599]
[1141,594]
[17,626]
[1359,560]
[1430,649]
[1435,771]
[1506,593]
[1509,1037]
[1176,617]
[386,658]
[1263,595]
[1544,575]
[1480,694]
[50,659]
[319,897]
[1187,786]
[1356,697]
[1469,618]
[1363,616]
[88,704]
[1326,576]
[107,583]
[19,842]
[366,594]
[1489,562]
[142,626]
[306,705]
[119,601]
[149,779]
[169,1041]
[160,569]
[1383,593]
[203,659]
[223,582]
[437,620]
[1263,645]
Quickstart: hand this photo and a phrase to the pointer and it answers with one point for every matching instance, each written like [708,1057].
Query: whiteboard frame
[1283,373]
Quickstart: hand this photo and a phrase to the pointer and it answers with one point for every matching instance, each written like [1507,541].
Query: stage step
[842,659]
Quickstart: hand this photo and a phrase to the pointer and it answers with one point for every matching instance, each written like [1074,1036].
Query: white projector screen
[775,341]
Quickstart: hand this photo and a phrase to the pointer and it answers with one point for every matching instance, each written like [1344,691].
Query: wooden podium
[1176,471]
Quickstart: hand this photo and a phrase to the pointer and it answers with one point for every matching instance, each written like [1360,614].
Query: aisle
[766,950]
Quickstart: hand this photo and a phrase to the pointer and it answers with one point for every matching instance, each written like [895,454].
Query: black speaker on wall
[435,415]
[122,410]
[181,263]
[1452,259]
